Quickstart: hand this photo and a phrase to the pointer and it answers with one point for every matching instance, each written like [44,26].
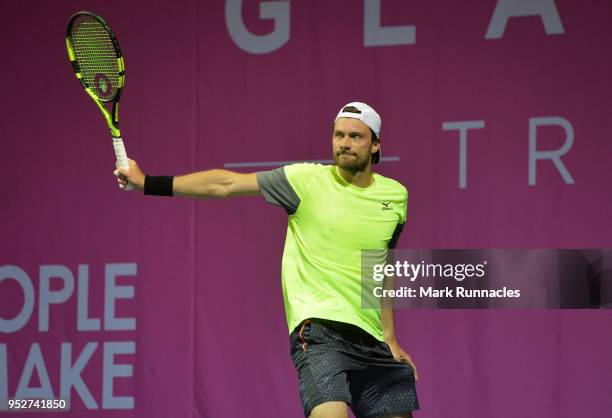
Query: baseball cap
[367,115]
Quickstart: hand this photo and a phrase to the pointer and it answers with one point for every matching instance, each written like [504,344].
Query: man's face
[352,144]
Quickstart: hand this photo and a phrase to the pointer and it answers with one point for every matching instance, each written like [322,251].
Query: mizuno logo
[386,206]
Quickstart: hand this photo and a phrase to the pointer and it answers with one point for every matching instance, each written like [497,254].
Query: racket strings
[96,56]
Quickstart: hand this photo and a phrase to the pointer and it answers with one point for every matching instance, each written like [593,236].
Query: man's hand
[400,355]
[132,175]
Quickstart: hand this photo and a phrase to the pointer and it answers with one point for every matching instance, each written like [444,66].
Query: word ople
[49,355]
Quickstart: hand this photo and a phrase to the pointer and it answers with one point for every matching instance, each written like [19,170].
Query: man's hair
[351,109]
[374,136]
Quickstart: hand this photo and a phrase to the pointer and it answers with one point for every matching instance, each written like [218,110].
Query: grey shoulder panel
[277,190]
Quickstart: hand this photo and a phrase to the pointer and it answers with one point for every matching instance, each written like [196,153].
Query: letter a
[505,9]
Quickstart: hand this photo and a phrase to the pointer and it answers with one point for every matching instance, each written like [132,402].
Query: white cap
[367,115]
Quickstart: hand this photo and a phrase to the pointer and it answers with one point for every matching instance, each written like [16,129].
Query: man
[344,354]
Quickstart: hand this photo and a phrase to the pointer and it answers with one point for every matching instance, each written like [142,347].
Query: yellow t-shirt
[330,222]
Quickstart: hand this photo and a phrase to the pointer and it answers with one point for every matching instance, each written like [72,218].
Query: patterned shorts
[336,361]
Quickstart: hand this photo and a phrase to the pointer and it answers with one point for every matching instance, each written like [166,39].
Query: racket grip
[122,159]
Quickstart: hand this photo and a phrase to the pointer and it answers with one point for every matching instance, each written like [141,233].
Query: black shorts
[336,361]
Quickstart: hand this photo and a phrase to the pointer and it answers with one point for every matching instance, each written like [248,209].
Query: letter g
[258,44]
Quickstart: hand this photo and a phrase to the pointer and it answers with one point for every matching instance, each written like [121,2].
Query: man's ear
[375,147]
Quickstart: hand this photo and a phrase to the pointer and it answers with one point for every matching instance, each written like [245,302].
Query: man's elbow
[242,185]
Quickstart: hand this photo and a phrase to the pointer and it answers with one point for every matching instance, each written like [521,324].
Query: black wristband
[158,185]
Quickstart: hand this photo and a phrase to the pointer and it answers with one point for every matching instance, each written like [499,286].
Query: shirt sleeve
[277,190]
[286,186]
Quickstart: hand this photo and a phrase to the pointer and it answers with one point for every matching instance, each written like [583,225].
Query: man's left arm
[388,326]
[386,311]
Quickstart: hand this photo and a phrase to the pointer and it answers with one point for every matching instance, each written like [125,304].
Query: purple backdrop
[201,280]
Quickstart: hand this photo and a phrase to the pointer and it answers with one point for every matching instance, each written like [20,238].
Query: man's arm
[203,184]
[388,326]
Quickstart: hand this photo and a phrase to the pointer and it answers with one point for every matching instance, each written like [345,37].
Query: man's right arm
[215,183]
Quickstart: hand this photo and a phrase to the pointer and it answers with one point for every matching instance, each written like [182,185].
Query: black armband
[158,185]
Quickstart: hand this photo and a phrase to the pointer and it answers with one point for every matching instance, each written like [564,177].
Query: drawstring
[304,344]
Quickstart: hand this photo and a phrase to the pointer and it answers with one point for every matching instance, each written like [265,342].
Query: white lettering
[70,375]
[22,278]
[377,35]
[84,323]
[113,292]
[36,363]
[378,269]
[3,375]
[112,370]
[505,9]
[553,155]
[463,127]
[48,296]
[258,44]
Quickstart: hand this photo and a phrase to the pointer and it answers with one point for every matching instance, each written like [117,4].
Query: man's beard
[353,163]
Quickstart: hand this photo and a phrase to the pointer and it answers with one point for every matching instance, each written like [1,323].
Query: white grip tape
[122,158]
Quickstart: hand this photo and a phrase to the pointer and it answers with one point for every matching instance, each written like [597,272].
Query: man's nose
[345,142]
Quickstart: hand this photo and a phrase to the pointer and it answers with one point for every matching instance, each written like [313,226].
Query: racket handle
[122,158]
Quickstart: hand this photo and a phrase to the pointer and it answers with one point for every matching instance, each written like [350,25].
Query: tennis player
[344,355]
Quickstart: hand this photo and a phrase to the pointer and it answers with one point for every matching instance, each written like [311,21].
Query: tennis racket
[98,64]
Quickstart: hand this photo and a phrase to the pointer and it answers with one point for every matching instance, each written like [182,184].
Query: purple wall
[209,337]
